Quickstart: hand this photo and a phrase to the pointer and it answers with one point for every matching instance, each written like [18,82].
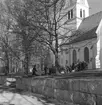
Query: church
[86,42]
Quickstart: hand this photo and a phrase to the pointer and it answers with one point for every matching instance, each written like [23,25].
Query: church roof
[87,29]
[90,22]
[85,36]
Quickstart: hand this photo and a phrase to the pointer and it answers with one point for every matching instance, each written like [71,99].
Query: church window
[80,12]
[70,14]
[74,56]
[83,13]
[86,54]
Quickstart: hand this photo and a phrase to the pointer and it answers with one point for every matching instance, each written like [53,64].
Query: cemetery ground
[9,95]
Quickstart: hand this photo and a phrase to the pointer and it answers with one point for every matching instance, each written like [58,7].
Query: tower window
[83,13]
[80,12]
[70,14]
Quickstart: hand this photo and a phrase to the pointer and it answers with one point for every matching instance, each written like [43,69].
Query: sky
[95,6]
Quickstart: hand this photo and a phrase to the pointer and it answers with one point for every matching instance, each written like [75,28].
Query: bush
[81,66]
[77,67]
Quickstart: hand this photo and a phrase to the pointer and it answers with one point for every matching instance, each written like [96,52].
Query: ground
[11,96]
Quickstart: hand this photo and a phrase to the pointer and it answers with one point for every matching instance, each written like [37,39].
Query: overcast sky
[95,6]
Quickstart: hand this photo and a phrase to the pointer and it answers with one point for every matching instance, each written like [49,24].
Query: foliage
[80,66]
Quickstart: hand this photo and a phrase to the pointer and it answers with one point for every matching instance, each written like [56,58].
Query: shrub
[77,67]
[81,66]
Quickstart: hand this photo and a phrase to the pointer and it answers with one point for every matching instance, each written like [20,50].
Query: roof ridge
[92,15]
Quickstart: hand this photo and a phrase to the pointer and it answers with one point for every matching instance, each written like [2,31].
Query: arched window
[70,14]
[74,56]
[86,54]
[81,13]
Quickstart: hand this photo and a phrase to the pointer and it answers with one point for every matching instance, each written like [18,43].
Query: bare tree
[4,38]
[37,20]
[52,22]
[22,16]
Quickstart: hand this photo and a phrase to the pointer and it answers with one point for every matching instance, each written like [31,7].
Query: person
[50,69]
[34,70]
[68,69]
[45,69]
[6,70]
[73,66]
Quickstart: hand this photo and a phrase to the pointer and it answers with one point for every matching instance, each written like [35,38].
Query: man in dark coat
[45,69]
[34,70]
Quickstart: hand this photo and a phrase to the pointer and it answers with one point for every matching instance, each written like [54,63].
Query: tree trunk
[26,63]
[7,63]
[56,55]
[56,40]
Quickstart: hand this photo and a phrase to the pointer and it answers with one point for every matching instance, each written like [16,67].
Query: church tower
[82,11]
[76,11]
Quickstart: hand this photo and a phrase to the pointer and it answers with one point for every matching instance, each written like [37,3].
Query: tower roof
[83,2]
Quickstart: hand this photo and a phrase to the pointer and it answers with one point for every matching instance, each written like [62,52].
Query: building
[86,41]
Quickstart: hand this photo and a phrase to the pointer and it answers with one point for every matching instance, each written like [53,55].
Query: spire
[83,2]
[82,7]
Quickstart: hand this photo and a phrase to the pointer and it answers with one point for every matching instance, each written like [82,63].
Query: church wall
[64,60]
[99,46]
[94,53]
[79,47]
[90,44]
[97,58]
[78,21]
[81,54]
[71,56]
[61,58]
[65,56]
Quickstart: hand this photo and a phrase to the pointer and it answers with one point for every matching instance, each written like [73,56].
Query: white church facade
[86,42]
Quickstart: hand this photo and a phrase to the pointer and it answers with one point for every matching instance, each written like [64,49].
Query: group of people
[47,70]
[52,70]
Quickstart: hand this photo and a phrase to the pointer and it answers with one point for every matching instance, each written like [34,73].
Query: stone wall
[2,79]
[79,91]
